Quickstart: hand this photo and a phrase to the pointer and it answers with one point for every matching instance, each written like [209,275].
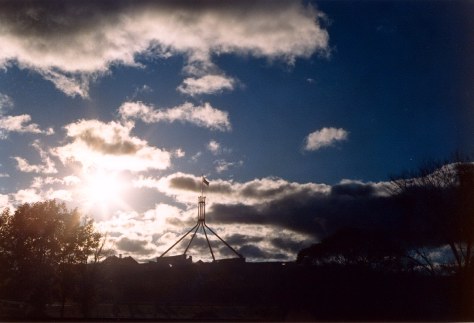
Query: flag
[204,181]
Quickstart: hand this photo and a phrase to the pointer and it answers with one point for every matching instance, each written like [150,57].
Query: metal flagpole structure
[201,224]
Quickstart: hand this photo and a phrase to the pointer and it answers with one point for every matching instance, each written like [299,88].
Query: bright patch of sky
[287,107]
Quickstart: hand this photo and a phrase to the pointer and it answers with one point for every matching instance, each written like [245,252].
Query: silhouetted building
[178,260]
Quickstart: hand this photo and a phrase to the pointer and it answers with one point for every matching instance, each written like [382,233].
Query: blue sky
[118,108]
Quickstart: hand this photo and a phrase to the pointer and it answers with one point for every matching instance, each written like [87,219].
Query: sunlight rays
[102,191]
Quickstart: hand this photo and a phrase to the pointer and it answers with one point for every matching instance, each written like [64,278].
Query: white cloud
[47,166]
[223,165]
[3,201]
[324,137]
[196,157]
[148,227]
[64,195]
[70,43]
[71,180]
[32,195]
[110,146]
[207,84]
[204,115]
[71,84]
[24,166]
[6,102]
[20,124]
[214,147]
[29,195]
[141,90]
[40,182]
[179,153]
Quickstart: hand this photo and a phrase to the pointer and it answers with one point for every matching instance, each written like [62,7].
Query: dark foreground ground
[259,292]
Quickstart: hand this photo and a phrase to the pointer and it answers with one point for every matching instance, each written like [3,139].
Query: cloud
[271,218]
[214,147]
[184,188]
[110,146]
[196,156]
[207,84]
[264,219]
[312,213]
[253,251]
[179,153]
[148,233]
[6,102]
[42,188]
[27,196]
[70,43]
[134,246]
[71,180]
[324,137]
[223,165]
[203,116]
[24,166]
[4,199]
[308,208]
[20,124]
[64,195]
[46,167]
[71,84]
[141,90]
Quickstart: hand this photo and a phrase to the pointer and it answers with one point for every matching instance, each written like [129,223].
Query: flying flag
[205,182]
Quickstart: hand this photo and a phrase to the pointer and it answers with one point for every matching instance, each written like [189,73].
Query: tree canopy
[38,242]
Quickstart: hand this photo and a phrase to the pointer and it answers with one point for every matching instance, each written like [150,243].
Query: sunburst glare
[102,191]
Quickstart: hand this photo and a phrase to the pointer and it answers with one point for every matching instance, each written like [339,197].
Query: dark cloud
[177,222]
[133,246]
[315,214]
[252,251]
[240,239]
[353,189]
[259,190]
[118,146]
[287,245]
[190,183]
[185,183]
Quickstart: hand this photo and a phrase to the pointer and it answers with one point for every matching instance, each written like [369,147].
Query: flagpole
[202,224]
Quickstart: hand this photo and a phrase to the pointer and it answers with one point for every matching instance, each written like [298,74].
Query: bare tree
[438,200]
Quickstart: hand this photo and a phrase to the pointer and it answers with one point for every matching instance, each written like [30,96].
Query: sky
[297,112]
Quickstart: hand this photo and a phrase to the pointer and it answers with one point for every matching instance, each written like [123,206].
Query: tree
[438,199]
[40,242]
[88,278]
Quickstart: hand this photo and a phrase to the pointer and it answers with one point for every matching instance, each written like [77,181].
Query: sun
[102,189]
